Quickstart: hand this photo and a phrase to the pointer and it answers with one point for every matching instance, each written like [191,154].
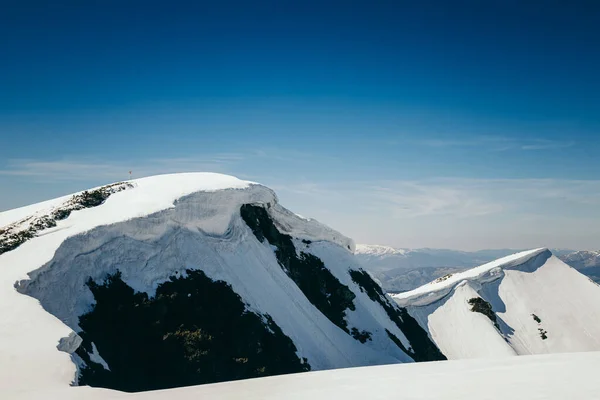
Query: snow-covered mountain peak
[186,265]
[378,250]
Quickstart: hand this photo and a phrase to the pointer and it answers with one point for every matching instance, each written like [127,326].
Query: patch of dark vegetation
[193,331]
[18,233]
[423,349]
[317,283]
[536,318]
[483,307]
[543,334]
[12,241]
[361,336]
[443,278]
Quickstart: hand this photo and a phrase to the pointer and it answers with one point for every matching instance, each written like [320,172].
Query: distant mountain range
[400,270]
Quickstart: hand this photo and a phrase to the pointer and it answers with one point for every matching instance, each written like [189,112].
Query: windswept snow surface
[162,226]
[541,304]
[546,377]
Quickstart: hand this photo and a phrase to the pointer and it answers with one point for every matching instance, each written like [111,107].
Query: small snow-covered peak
[378,250]
[486,272]
[527,303]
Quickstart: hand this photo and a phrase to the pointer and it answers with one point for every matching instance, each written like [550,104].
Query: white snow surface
[517,287]
[162,226]
[546,377]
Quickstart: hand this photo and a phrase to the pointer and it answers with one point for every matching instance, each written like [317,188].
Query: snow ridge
[440,287]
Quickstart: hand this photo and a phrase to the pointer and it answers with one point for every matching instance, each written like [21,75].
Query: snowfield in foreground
[547,377]
[526,303]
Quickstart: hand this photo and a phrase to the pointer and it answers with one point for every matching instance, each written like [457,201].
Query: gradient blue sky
[458,124]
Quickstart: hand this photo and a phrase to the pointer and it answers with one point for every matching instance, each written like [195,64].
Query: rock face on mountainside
[185,279]
[527,303]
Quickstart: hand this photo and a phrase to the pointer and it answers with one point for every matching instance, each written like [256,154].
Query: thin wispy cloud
[457,197]
[446,212]
[91,169]
[495,143]
[541,144]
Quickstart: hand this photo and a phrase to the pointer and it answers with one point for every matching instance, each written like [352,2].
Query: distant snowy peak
[582,259]
[527,303]
[377,250]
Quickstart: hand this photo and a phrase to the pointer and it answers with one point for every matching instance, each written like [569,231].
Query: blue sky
[458,124]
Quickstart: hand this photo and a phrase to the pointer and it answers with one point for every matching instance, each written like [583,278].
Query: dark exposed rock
[423,349]
[13,236]
[317,283]
[483,307]
[397,341]
[193,331]
[543,333]
[536,318]
[361,336]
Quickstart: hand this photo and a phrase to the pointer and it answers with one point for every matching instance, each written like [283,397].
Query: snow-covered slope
[183,279]
[527,303]
[545,377]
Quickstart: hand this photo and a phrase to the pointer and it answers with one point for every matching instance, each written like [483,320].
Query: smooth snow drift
[157,229]
[527,303]
[547,377]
